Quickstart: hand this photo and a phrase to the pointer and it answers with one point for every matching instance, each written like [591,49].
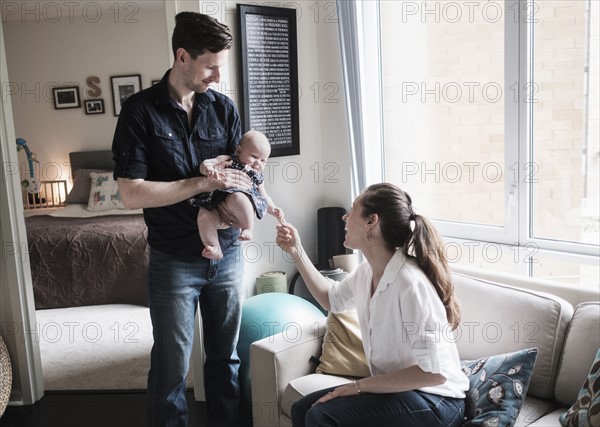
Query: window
[443,109]
[565,121]
[490,121]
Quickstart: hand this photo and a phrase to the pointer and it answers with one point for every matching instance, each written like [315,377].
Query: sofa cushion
[498,386]
[580,348]
[502,319]
[550,420]
[533,409]
[303,386]
[585,412]
[343,352]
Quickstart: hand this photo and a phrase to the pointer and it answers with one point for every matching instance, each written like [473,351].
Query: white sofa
[496,318]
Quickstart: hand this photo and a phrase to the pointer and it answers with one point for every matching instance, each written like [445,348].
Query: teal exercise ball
[265,315]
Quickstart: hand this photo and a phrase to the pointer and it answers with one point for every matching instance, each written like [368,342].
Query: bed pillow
[498,386]
[104,193]
[585,412]
[82,183]
[342,351]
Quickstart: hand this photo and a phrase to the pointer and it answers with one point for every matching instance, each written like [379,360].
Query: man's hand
[209,166]
[232,178]
[215,175]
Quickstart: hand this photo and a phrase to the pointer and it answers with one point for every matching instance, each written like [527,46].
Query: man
[162,136]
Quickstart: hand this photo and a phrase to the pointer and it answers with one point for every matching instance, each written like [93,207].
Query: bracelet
[357,387]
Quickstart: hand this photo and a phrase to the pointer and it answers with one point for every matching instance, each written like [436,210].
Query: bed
[91,251]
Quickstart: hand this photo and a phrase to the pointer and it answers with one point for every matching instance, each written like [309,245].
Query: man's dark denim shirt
[154,142]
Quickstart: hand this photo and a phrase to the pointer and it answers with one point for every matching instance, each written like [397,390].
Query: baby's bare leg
[208,221]
[241,206]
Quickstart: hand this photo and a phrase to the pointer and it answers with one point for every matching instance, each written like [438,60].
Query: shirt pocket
[212,142]
[171,142]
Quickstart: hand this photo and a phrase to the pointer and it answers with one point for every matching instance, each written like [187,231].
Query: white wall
[17,315]
[320,175]
[41,53]
[44,51]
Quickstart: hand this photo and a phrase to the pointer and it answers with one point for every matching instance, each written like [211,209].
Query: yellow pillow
[342,352]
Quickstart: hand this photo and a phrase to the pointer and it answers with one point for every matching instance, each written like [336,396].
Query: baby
[250,156]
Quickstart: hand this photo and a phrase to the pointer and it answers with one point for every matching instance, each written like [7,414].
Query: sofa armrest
[277,360]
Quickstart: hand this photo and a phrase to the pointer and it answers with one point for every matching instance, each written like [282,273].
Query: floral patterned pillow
[498,386]
[104,193]
[585,412]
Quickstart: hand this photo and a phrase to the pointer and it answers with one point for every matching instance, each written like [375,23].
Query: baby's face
[254,154]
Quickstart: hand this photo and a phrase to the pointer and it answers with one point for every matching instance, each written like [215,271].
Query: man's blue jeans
[406,409]
[175,285]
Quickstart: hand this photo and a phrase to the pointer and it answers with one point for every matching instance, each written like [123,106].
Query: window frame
[517,229]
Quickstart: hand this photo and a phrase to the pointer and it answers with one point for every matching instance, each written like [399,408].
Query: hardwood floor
[91,410]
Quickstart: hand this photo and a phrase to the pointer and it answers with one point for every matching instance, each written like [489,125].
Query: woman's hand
[288,239]
[342,391]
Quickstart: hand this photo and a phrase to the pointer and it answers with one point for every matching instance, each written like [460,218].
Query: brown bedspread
[88,261]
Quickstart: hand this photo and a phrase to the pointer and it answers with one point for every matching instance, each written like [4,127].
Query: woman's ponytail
[402,228]
[426,246]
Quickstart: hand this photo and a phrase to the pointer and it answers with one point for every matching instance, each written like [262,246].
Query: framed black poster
[269,75]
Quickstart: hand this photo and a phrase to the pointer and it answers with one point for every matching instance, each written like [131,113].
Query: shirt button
[170,134]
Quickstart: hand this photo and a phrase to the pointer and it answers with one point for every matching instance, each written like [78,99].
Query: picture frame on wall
[269,75]
[94,106]
[123,87]
[66,97]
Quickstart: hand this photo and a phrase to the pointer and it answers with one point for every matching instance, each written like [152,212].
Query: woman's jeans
[406,409]
[175,285]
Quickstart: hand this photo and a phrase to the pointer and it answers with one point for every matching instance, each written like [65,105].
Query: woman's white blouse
[403,324]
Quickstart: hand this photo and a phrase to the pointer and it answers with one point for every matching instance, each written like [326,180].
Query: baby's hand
[278,213]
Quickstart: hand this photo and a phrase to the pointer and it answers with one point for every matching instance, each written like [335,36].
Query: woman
[404,298]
